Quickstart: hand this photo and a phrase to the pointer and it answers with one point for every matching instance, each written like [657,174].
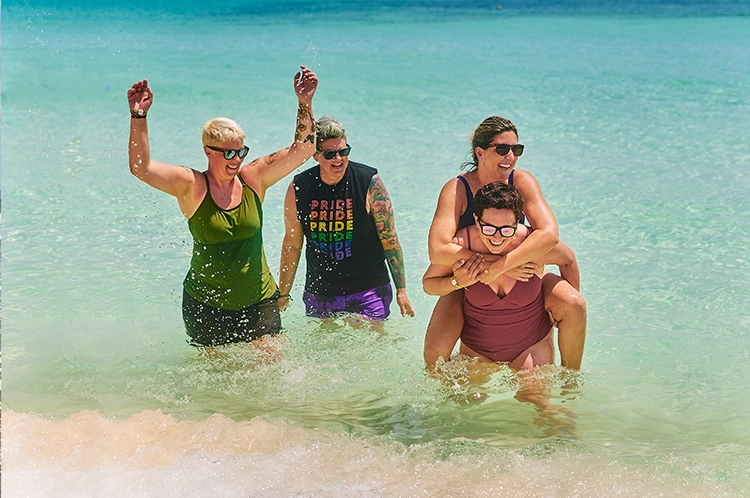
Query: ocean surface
[635,117]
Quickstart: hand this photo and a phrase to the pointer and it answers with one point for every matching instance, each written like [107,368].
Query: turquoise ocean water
[635,117]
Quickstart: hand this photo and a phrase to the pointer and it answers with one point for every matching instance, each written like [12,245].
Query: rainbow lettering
[332,227]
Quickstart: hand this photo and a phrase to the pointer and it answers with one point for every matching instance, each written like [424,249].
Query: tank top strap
[467,217]
[469,195]
[510,182]
[208,184]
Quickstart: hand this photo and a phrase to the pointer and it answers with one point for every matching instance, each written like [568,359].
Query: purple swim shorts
[372,303]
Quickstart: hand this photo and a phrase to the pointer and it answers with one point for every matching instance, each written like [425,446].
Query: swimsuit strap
[469,195]
[467,217]
[510,182]
[208,185]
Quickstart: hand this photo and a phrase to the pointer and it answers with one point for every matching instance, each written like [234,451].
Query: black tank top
[343,251]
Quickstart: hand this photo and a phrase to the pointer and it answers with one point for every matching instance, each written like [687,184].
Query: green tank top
[228,269]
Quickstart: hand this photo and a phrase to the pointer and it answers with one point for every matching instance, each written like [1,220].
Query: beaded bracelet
[286,296]
[139,114]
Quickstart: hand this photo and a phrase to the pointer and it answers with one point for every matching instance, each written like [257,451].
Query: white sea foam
[152,454]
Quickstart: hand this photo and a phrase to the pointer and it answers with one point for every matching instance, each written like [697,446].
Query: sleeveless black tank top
[343,252]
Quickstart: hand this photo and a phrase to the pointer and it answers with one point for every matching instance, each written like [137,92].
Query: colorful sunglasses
[506,231]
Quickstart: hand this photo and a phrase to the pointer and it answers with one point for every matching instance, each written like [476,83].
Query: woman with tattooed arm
[342,211]
[229,294]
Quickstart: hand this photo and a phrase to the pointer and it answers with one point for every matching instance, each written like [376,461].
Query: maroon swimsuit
[501,328]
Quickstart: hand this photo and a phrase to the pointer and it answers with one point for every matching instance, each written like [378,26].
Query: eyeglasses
[503,149]
[230,153]
[506,231]
[331,154]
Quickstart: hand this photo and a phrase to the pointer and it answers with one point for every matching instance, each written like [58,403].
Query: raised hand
[305,84]
[140,96]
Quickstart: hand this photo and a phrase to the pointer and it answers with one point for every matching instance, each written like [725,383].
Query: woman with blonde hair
[229,294]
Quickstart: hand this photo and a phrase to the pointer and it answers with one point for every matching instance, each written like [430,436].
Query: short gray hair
[329,127]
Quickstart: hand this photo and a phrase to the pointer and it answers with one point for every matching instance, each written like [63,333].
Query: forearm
[290,255]
[304,136]
[139,152]
[438,286]
[536,245]
[395,259]
[448,254]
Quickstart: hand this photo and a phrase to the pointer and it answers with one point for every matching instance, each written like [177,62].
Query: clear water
[635,117]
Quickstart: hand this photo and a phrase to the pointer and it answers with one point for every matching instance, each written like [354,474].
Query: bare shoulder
[377,186]
[450,186]
[191,200]
[528,186]
[199,178]
[250,172]
[453,194]
[523,178]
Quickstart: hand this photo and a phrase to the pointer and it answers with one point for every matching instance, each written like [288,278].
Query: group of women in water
[490,238]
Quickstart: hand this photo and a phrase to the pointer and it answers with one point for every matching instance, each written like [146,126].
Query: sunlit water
[635,120]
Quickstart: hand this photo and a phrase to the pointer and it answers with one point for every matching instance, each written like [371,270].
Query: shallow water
[634,120]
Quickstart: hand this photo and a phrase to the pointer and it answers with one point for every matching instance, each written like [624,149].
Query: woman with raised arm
[495,151]
[229,294]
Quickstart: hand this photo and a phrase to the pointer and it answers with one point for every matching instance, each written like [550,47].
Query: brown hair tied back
[483,135]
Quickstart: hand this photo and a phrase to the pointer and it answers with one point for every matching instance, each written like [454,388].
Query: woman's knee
[561,297]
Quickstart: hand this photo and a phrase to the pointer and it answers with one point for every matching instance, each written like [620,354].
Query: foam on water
[152,454]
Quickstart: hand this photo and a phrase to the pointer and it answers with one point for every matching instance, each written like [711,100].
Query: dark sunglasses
[230,153]
[506,231]
[503,149]
[331,154]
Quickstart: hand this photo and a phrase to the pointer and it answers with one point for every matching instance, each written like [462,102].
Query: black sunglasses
[230,153]
[506,231]
[503,149]
[331,154]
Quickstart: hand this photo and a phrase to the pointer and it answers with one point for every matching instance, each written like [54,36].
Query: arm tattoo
[382,213]
[395,258]
[303,114]
[298,133]
[272,157]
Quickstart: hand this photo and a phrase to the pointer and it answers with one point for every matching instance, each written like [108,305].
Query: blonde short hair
[219,130]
